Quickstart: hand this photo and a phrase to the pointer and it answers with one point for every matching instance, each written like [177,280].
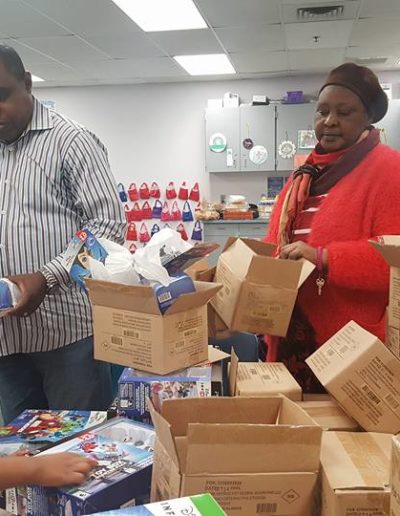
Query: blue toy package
[6,301]
[135,387]
[181,284]
[76,258]
[35,430]
[123,450]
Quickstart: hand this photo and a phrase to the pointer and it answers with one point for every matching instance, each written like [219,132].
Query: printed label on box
[394,303]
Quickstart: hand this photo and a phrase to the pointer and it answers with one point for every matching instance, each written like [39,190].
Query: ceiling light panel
[162,15]
[207,64]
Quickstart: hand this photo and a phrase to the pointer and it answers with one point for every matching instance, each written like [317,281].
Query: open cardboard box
[130,330]
[389,247]
[253,455]
[259,291]
[262,379]
[355,469]
[362,375]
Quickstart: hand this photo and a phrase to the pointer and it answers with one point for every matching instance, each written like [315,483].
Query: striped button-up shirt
[54,180]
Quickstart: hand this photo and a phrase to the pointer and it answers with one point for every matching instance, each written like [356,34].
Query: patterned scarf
[320,172]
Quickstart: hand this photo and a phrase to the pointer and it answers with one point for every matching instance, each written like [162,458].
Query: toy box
[76,259]
[136,386]
[197,505]
[35,430]
[167,295]
[124,452]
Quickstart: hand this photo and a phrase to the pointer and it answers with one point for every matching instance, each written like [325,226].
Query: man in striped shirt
[54,180]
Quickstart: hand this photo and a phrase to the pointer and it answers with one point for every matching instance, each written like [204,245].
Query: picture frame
[306,139]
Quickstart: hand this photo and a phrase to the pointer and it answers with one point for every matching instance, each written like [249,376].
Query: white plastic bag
[148,259]
[118,266]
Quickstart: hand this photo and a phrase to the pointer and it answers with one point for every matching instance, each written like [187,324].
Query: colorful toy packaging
[76,259]
[136,386]
[123,450]
[35,430]
[197,505]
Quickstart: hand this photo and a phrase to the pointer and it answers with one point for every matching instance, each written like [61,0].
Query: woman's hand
[298,250]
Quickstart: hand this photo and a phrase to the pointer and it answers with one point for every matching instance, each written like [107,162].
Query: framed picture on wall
[306,139]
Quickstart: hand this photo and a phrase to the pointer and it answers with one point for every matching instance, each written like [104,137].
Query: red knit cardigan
[362,205]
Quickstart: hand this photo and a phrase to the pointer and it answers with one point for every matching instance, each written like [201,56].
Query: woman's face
[340,118]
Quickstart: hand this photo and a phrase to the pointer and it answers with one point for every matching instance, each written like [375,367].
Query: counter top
[221,221]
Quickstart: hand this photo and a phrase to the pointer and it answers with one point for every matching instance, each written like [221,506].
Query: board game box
[35,430]
[135,387]
[123,450]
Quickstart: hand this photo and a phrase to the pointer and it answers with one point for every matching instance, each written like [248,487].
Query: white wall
[156,131]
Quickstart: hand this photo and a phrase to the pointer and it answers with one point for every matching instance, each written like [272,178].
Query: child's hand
[61,469]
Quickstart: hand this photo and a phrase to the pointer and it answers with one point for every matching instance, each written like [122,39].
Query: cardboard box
[389,247]
[130,330]
[355,474]
[35,430]
[262,379]
[124,451]
[395,477]
[329,415]
[254,455]
[259,292]
[362,375]
[197,505]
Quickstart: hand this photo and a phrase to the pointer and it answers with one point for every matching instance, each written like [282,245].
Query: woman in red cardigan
[346,193]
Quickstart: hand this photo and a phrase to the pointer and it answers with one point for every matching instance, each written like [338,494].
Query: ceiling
[86,42]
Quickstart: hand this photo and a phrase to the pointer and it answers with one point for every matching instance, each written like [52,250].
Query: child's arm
[60,469]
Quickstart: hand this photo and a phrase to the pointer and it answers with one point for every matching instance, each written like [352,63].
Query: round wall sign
[258,154]
[286,149]
[248,143]
[217,142]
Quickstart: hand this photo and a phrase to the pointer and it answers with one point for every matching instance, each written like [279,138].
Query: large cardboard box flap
[141,298]
[138,298]
[356,460]
[290,274]
[204,292]
[389,247]
[249,448]
[362,375]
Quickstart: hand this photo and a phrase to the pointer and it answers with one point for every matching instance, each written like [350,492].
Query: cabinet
[290,118]
[219,231]
[258,124]
[390,122]
[237,124]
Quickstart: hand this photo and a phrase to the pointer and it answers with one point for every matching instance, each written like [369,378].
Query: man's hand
[60,469]
[33,290]
[298,250]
